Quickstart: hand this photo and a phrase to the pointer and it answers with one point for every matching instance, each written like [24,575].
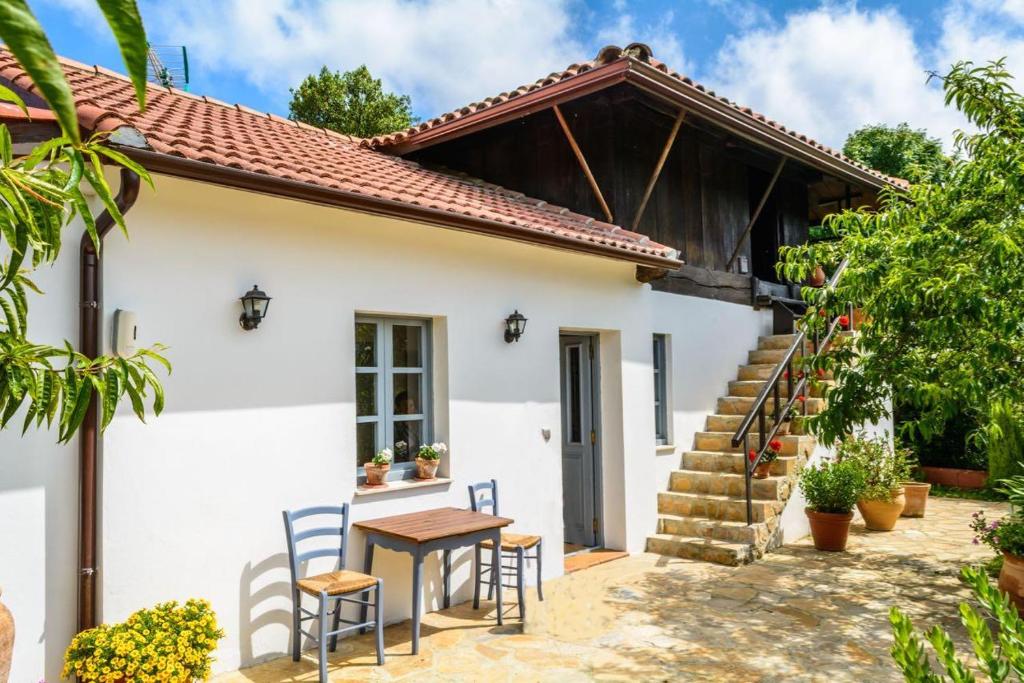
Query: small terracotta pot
[6,641]
[817,278]
[762,470]
[426,469]
[784,428]
[375,474]
[881,515]
[917,498]
[1011,579]
[829,529]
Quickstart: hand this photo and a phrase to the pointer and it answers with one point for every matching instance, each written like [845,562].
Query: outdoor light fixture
[254,308]
[515,325]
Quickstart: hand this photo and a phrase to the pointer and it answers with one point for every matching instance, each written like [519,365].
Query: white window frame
[659,364]
[385,372]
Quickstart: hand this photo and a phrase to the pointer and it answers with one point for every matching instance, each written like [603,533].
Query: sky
[823,68]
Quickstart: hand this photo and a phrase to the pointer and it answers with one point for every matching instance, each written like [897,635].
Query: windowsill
[402,485]
[664,448]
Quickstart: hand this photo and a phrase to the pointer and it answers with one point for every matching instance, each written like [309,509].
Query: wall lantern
[254,308]
[515,325]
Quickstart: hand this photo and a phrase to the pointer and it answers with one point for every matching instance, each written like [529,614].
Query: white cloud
[744,14]
[982,31]
[827,71]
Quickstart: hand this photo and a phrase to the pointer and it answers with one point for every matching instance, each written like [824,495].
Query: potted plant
[377,469]
[1005,536]
[428,458]
[916,493]
[786,425]
[831,490]
[771,454]
[885,469]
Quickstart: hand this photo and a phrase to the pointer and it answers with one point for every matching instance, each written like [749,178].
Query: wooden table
[419,533]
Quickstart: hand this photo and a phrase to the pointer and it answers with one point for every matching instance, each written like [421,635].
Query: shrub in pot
[428,458]
[764,465]
[884,469]
[377,469]
[831,490]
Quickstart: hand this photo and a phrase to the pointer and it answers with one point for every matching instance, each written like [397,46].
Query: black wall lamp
[254,308]
[515,325]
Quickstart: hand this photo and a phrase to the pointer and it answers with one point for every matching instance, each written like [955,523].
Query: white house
[643,297]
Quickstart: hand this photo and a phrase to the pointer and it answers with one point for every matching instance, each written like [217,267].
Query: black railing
[796,387]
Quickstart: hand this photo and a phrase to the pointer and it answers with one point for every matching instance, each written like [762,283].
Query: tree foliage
[353,103]
[40,195]
[899,151]
[939,274]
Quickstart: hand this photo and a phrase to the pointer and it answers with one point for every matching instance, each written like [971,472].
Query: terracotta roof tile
[203,129]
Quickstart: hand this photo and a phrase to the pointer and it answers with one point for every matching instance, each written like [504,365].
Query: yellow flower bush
[167,643]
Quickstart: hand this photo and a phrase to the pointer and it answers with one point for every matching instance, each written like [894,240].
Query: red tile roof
[182,125]
[635,54]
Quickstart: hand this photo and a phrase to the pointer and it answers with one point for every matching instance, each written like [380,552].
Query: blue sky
[823,68]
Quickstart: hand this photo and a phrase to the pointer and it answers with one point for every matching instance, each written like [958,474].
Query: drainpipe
[89,340]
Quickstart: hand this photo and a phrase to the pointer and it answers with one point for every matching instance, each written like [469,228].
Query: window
[660,393]
[392,389]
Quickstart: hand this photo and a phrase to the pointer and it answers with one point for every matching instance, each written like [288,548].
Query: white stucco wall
[260,421]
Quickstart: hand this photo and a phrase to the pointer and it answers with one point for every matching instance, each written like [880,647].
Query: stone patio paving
[796,615]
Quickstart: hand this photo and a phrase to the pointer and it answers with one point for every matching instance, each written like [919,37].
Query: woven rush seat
[512,541]
[336,583]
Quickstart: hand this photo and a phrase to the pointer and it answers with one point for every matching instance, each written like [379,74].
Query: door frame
[594,340]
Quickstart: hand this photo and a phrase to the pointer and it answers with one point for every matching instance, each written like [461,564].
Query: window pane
[575,428]
[408,438]
[407,349]
[366,442]
[408,394]
[366,394]
[366,345]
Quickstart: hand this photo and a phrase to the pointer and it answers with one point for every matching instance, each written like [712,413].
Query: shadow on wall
[259,585]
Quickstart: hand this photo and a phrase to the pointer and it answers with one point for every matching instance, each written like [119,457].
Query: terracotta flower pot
[829,529]
[6,641]
[426,469]
[817,278]
[917,498]
[784,428]
[1011,579]
[881,515]
[762,470]
[375,474]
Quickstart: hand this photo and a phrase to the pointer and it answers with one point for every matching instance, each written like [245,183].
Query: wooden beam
[649,274]
[756,214]
[658,166]
[583,163]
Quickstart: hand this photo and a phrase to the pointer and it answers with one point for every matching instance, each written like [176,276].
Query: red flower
[821,372]
[800,374]
[801,398]
[844,321]
[785,375]
[821,312]
[752,455]
[775,445]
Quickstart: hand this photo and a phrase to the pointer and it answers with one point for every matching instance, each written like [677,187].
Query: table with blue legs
[421,533]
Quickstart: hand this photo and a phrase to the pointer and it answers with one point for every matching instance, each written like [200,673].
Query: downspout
[89,341]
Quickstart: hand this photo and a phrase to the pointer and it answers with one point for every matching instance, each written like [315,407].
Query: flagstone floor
[796,615]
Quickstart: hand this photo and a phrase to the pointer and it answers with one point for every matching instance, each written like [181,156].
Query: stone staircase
[703,513]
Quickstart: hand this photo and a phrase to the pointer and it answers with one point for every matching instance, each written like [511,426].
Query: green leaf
[8,95]
[126,23]
[76,415]
[26,39]
[123,160]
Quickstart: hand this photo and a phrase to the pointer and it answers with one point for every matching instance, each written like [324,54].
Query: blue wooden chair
[513,548]
[332,590]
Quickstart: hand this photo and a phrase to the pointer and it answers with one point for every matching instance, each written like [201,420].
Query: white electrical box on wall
[125,333]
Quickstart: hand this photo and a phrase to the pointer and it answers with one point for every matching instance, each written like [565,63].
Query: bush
[832,486]
[951,447]
[883,467]
[1004,439]
[164,643]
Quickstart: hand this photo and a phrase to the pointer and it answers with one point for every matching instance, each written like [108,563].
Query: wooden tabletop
[430,525]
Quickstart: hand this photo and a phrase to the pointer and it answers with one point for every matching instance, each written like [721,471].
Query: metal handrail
[771,389]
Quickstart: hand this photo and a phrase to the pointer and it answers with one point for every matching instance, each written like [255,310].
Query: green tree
[939,274]
[901,151]
[40,195]
[353,103]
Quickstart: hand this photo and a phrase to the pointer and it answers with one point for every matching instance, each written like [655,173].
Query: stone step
[720,530]
[708,461]
[763,371]
[728,484]
[705,549]
[723,423]
[747,387]
[722,442]
[764,356]
[716,507]
[778,341]
[741,405]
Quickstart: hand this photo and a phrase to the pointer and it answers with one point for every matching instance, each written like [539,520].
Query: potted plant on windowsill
[428,458]
[831,490]
[377,469]
[771,454]
[885,469]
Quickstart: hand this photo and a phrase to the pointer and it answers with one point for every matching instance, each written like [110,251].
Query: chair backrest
[484,495]
[300,545]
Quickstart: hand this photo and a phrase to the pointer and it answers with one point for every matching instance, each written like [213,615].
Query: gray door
[579,440]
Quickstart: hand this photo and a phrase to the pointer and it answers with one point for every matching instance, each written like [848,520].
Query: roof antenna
[168,66]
